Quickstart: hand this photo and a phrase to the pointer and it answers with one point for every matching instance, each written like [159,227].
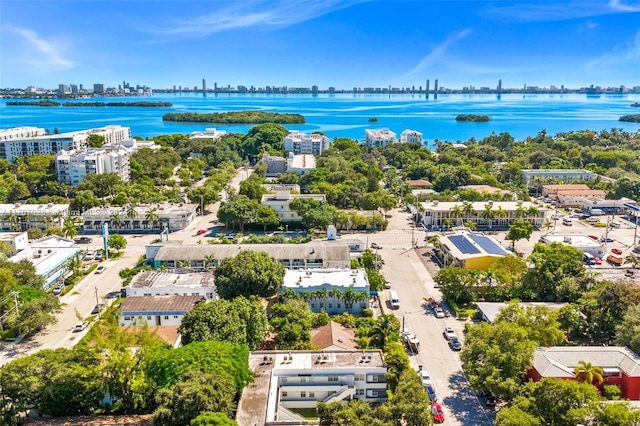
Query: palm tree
[488,214]
[521,212]
[447,223]
[13,219]
[209,259]
[57,218]
[634,259]
[152,216]
[468,210]
[532,213]
[456,212]
[384,329]
[471,225]
[184,264]
[501,213]
[547,225]
[131,213]
[74,263]
[589,373]
[116,221]
[70,229]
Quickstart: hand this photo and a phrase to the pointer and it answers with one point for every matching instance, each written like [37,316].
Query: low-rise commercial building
[470,250]
[21,217]
[621,366]
[279,202]
[332,290]
[302,143]
[156,310]
[486,215]
[571,195]
[172,283]
[50,257]
[532,177]
[379,138]
[580,242]
[147,218]
[316,254]
[607,206]
[285,381]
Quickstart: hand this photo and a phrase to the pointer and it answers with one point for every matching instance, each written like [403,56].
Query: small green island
[373,120]
[634,118]
[118,104]
[235,117]
[637,104]
[474,118]
[42,103]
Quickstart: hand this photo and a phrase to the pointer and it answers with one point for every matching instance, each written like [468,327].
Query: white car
[79,327]
[448,333]
[425,377]
[100,269]
[439,312]
[89,255]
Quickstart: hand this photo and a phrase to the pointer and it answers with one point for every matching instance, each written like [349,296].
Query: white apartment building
[51,144]
[155,217]
[21,133]
[328,289]
[379,137]
[288,380]
[21,217]
[172,283]
[533,176]
[280,203]
[411,136]
[210,133]
[302,143]
[300,164]
[73,167]
[16,240]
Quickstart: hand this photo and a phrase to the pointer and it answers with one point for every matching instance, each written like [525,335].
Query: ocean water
[347,115]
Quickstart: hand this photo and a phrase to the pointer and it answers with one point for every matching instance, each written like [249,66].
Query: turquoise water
[347,115]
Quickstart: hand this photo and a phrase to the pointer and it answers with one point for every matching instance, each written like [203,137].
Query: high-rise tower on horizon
[435,86]
[204,85]
[427,87]
[500,85]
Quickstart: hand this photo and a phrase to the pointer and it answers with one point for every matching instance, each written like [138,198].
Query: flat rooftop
[327,278]
[573,240]
[34,209]
[155,279]
[491,309]
[162,210]
[165,304]
[479,206]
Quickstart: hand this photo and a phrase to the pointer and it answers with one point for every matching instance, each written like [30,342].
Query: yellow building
[470,250]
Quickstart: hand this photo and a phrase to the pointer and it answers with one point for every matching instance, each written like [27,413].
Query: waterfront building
[279,202]
[411,136]
[379,137]
[172,283]
[209,133]
[302,143]
[491,215]
[144,218]
[21,217]
[73,167]
[533,176]
[11,148]
[284,381]
[21,133]
[332,290]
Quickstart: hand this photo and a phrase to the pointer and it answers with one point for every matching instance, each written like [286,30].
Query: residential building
[21,133]
[300,164]
[16,240]
[470,250]
[487,189]
[275,165]
[73,167]
[334,336]
[51,144]
[50,257]
[418,183]
[621,365]
[284,381]
[379,138]
[208,134]
[275,187]
[172,283]
[571,195]
[581,242]
[302,143]
[144,218]
[280,203]
[316,254]
[332,290]
[156,310]
[21,217]
[490,310]
[411,136]
[492,215]
[532,177]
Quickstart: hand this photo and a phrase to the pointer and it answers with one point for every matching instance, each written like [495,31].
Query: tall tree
[249,273]
[519,230]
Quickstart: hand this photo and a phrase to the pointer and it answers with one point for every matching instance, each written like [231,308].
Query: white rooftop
[155,279]
[34,209]
[47,254]
[573,240]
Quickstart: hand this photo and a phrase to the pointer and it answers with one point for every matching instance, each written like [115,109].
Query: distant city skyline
[326,43]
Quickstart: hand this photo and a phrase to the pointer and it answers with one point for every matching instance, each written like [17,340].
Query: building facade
[532,177]
[332,290]
[156,311]
[16,240]
[411,136]
[148,218]
[21,133]
[279,202]
[302,143]
[21,217]
[275,165]
[288,380]
[379,138]
[172,283]
[73,167]
[51,144]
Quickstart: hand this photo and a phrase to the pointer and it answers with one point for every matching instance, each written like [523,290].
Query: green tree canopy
[249,273]
[519,230]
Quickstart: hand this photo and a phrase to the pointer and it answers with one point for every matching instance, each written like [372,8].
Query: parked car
[97,308]
[90,255]
[376,246]
[593,237]
[597,260]
[436,412]
[99,256]
[83,240]
[606,239]
[629,273]
[431,392]
[455,344]
[616,251]
[614,224]
[79,327]
[439,312]
[58,289]
[100,269]
[448,333]
[201,232]
[425,377]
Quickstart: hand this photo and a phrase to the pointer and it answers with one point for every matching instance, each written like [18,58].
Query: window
[359,377]
[303,394]
[360,392]
[175,317]
[312,394]
[333,378]
[148,317]
[284,394]
[303,380]
[127,318]
[283,380]
[166,317]
[372,393]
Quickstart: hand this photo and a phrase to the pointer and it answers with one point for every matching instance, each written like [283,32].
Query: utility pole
[97,302]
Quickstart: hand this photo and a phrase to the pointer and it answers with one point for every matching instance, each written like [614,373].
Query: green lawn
[307,413]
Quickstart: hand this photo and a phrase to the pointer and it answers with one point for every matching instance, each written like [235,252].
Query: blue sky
[321,42]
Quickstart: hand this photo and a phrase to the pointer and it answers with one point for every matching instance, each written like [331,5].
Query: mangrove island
[635,118]
[235,117]
[475,118]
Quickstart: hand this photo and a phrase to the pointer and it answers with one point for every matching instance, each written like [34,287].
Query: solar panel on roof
[465,246]
[487,244]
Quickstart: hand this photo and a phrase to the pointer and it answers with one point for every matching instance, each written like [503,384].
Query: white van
[393,298]
[567,221]
[597,212]
[592,219]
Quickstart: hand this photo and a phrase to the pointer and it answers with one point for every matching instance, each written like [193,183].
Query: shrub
[611,392]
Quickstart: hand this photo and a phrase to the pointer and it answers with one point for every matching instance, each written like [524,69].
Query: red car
[597,261]
[436,411]
[593,237]
[616,251]
[201,231]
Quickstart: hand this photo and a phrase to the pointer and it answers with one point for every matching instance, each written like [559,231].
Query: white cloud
[437,53]
[625,6]
[248,14]
[560,11]
[628,54]
[40,52]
